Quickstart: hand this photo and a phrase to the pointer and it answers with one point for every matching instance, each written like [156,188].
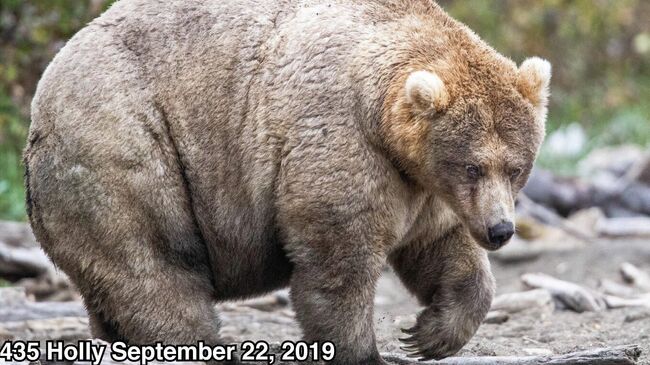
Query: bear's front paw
[437,335]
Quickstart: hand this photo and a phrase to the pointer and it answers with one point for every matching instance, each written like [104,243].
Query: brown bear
[183,153]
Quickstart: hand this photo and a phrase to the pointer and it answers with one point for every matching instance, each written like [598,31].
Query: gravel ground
[526,333]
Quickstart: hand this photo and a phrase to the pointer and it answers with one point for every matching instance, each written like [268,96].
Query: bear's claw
[409,331]
[427,344]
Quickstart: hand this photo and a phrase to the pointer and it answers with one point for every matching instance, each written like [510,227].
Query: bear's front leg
[332,290]
[451,277]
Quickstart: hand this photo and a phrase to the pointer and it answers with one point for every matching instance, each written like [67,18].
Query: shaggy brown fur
[187,152]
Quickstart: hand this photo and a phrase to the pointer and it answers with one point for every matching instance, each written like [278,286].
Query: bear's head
[470,131]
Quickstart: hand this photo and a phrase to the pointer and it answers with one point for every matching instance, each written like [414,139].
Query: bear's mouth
[483,241]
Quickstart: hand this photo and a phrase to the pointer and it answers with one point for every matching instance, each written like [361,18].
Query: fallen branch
[573,296]
[517,302]
[618,302]
[14,306]
[20,262]
[613,288]
[62,328]
[619,355]
[42,310]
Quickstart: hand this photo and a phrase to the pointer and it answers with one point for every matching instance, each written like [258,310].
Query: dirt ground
[525,333]
[530,332]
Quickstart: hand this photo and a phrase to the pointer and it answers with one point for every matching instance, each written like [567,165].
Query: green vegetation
[600,50]
[30,34]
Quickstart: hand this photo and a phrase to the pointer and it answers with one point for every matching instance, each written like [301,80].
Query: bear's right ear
[533,81]
[425,91]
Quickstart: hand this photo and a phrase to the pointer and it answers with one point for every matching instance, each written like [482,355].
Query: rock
[636,197]
[616,160]
[563,195]
[640,171]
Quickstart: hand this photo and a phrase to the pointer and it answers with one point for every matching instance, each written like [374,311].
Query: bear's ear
[425,91]
[532,82]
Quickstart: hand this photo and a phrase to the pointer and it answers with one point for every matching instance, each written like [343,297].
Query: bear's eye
[514,173]
[473,172]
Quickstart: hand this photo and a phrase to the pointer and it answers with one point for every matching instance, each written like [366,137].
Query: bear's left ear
[533,80]
[425,91]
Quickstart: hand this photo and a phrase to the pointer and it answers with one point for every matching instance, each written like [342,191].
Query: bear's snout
[500,233]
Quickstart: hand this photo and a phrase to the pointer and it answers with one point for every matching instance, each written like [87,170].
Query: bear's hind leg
[452,278]
[126,236]
[169,308]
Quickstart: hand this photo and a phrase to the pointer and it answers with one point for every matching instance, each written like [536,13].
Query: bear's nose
[501,233]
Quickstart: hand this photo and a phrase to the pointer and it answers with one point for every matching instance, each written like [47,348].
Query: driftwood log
[14,306]
[19,262]
[618,302]
[570,295]
[581,299]
[517,302]
[41,310]
[611,287]
[61,328]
